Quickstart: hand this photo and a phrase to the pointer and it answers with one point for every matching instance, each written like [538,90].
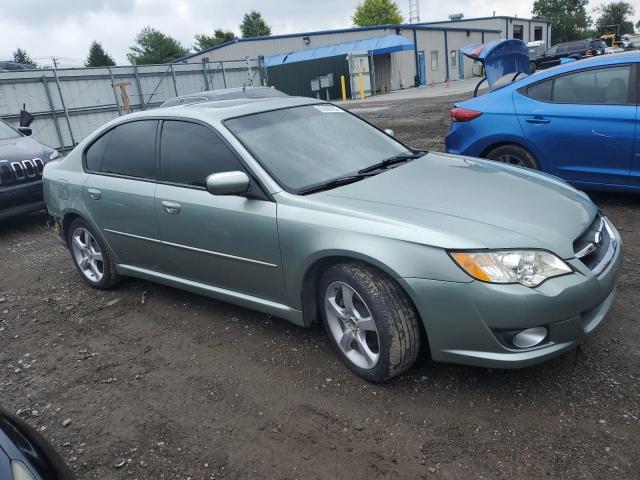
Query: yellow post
[361,81]
[344,88]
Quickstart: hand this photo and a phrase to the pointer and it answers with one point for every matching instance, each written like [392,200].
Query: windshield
[7,132]
[309,145]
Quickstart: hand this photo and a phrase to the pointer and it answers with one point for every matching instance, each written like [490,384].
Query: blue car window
[596,86]
[540,91]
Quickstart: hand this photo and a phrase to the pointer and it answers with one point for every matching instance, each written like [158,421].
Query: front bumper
[461,319]
[20,199]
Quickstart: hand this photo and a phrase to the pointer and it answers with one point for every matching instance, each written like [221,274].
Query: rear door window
[597,86]
[190,152]
[130,150]
[541,91]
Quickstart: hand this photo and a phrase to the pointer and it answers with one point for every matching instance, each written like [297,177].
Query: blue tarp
[500,58]
[373,46]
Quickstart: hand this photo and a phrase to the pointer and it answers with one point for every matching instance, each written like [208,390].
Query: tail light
[589,52]
[464,114]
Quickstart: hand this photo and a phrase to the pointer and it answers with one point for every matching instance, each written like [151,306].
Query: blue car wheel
[513,155]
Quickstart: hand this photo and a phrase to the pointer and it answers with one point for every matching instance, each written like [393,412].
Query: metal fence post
[53,111]
[115,93]
[204,73]
[224,75]
[135,73]
[64,106]
[175,84]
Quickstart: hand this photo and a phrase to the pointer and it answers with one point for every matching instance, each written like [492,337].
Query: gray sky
[65,28]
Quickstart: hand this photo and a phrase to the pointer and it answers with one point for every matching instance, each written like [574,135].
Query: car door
[582,123]
[229,242]
[119,193]
[634,177]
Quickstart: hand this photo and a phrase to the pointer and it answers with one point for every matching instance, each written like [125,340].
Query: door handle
[171,207]
[94,193]
[538,121]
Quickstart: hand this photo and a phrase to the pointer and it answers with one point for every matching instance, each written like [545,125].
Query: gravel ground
[149,382]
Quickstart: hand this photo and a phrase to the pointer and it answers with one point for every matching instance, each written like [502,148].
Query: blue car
[579,121]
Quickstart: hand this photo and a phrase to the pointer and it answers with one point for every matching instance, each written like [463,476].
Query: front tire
[513,155]
[369,321]
[91,256]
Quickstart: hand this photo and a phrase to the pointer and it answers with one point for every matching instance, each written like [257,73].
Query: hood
[467,203]
[22,148]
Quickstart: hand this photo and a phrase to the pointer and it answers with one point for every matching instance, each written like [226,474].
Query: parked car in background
[25,454]
[577,121]
[224,94]
[22,160]
[6,66]
[536,50]
[302,210]
[576,50]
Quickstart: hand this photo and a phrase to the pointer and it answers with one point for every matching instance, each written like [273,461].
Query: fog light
[530,337]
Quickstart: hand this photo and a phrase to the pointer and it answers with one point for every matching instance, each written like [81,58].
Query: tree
[569,18]
[98,57]
[253,25]
[616,13]
[153,46]
[204,41]
[21,56]
[377,12]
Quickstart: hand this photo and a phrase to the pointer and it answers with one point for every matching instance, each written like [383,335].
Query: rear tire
[90,255]
[369,320]
[513,155]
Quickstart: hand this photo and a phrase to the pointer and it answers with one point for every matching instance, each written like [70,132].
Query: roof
[403,26]
[220,110]
[224,94]
[373,46]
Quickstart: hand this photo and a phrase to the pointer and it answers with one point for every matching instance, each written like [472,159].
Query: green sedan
[301,210]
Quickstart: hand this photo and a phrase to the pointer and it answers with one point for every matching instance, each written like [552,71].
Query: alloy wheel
[351,325]
[87,254]
[511,160]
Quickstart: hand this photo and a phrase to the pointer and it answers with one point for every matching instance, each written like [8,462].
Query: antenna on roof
[414,11]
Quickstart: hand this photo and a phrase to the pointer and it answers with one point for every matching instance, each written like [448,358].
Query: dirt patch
[186,387]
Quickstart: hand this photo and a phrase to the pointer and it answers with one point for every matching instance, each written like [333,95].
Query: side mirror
[227,183]
[26,131]
[389,132]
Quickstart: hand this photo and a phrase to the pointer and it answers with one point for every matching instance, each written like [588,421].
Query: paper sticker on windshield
[328,108]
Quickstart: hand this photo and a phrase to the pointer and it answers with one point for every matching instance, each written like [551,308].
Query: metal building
[525,29]
[434,58]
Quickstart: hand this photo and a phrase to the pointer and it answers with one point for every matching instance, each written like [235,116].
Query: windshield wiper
[336,182]
[405,157]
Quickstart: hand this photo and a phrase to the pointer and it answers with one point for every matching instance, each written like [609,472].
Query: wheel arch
[504,143]
[316,267]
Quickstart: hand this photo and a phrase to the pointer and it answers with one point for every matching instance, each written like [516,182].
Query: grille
[15,172]
[596,246]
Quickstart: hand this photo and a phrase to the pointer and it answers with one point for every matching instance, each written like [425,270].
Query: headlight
[55,154]
[527,267]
